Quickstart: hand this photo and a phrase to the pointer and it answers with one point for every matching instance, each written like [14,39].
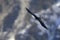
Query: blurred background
[16,23]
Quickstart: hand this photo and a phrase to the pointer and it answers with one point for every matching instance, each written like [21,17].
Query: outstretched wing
[37,18]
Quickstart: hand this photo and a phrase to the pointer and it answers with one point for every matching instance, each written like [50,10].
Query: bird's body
[37,18]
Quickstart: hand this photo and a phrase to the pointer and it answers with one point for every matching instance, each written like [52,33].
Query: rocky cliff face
[17,24]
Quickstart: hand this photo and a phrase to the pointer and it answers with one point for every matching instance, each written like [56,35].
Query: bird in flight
[37,18]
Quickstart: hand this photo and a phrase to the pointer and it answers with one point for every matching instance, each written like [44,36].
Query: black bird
[37,18]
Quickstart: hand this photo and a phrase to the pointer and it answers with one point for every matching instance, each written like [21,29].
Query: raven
[37,18]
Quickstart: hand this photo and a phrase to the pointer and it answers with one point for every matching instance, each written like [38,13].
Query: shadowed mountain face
[37,5]
[33,31]
[10,18]
[6,2]
[0,8]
